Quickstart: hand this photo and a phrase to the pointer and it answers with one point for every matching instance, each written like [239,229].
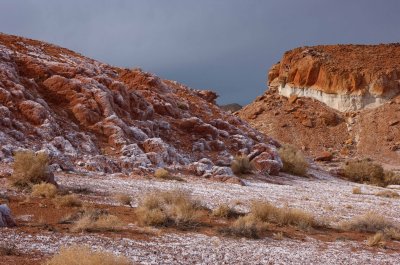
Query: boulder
[324,156]
[6,219]
[265,164]
[33,111]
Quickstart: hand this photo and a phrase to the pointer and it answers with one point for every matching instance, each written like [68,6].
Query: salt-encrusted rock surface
[95,116]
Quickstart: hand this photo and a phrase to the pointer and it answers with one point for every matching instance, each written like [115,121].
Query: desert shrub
[225,211]
[168,208]
[364,171]
[293,160]
[151,217]
[297,217]
[45,190]
[278,236]
[83,255]
[369,222]
[387,194]
[70,200]
[357,190]
[245,226]
[162,173]
[123,199]
[97,221]
[241,165]
[29,168]
[7,249]
[392,233]
[266,212]
[182,105]
[391,178]
[377,240]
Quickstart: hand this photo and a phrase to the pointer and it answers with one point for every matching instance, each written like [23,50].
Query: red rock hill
[91,115]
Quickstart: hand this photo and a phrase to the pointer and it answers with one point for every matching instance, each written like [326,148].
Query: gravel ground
[324,196]
[202,249]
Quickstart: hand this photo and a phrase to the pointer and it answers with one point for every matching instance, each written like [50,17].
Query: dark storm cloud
[224,45]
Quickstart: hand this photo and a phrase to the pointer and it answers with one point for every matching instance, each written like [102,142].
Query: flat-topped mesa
[344,77]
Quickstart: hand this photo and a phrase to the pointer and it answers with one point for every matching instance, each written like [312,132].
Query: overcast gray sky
[223,45]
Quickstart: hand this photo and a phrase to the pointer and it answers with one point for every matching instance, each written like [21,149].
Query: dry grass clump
[363,171]
[366,171]
[278,236]
[123,199]
[261,214]
[387,194]
[166,208]
[266,212]
[45,190]
[225,211]
[357,190]
[391,178]
[392,233]
[29,168]
[162,173]
[293,160]
[83,255]
[241,165]
[369,222]
[7,249]
[97,221]
[70,200]
[377,240]
[245,226]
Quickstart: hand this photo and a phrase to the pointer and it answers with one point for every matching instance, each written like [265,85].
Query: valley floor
[38,235]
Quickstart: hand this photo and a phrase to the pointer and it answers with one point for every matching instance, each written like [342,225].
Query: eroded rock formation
[93,116]
[344,77]
[340,99]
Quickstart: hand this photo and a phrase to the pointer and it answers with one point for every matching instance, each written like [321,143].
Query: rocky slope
[342,99]
[93,116]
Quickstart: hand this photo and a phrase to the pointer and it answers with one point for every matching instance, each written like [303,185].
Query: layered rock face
[344,77]
[342,99]
[93,116]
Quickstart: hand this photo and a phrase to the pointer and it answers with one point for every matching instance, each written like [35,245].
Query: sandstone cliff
[344,99]
[93,116]
[344,77]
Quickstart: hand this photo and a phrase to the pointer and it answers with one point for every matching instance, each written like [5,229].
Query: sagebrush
[29,168]
[45,190]
[165,208]
[294,162]
[366,171]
